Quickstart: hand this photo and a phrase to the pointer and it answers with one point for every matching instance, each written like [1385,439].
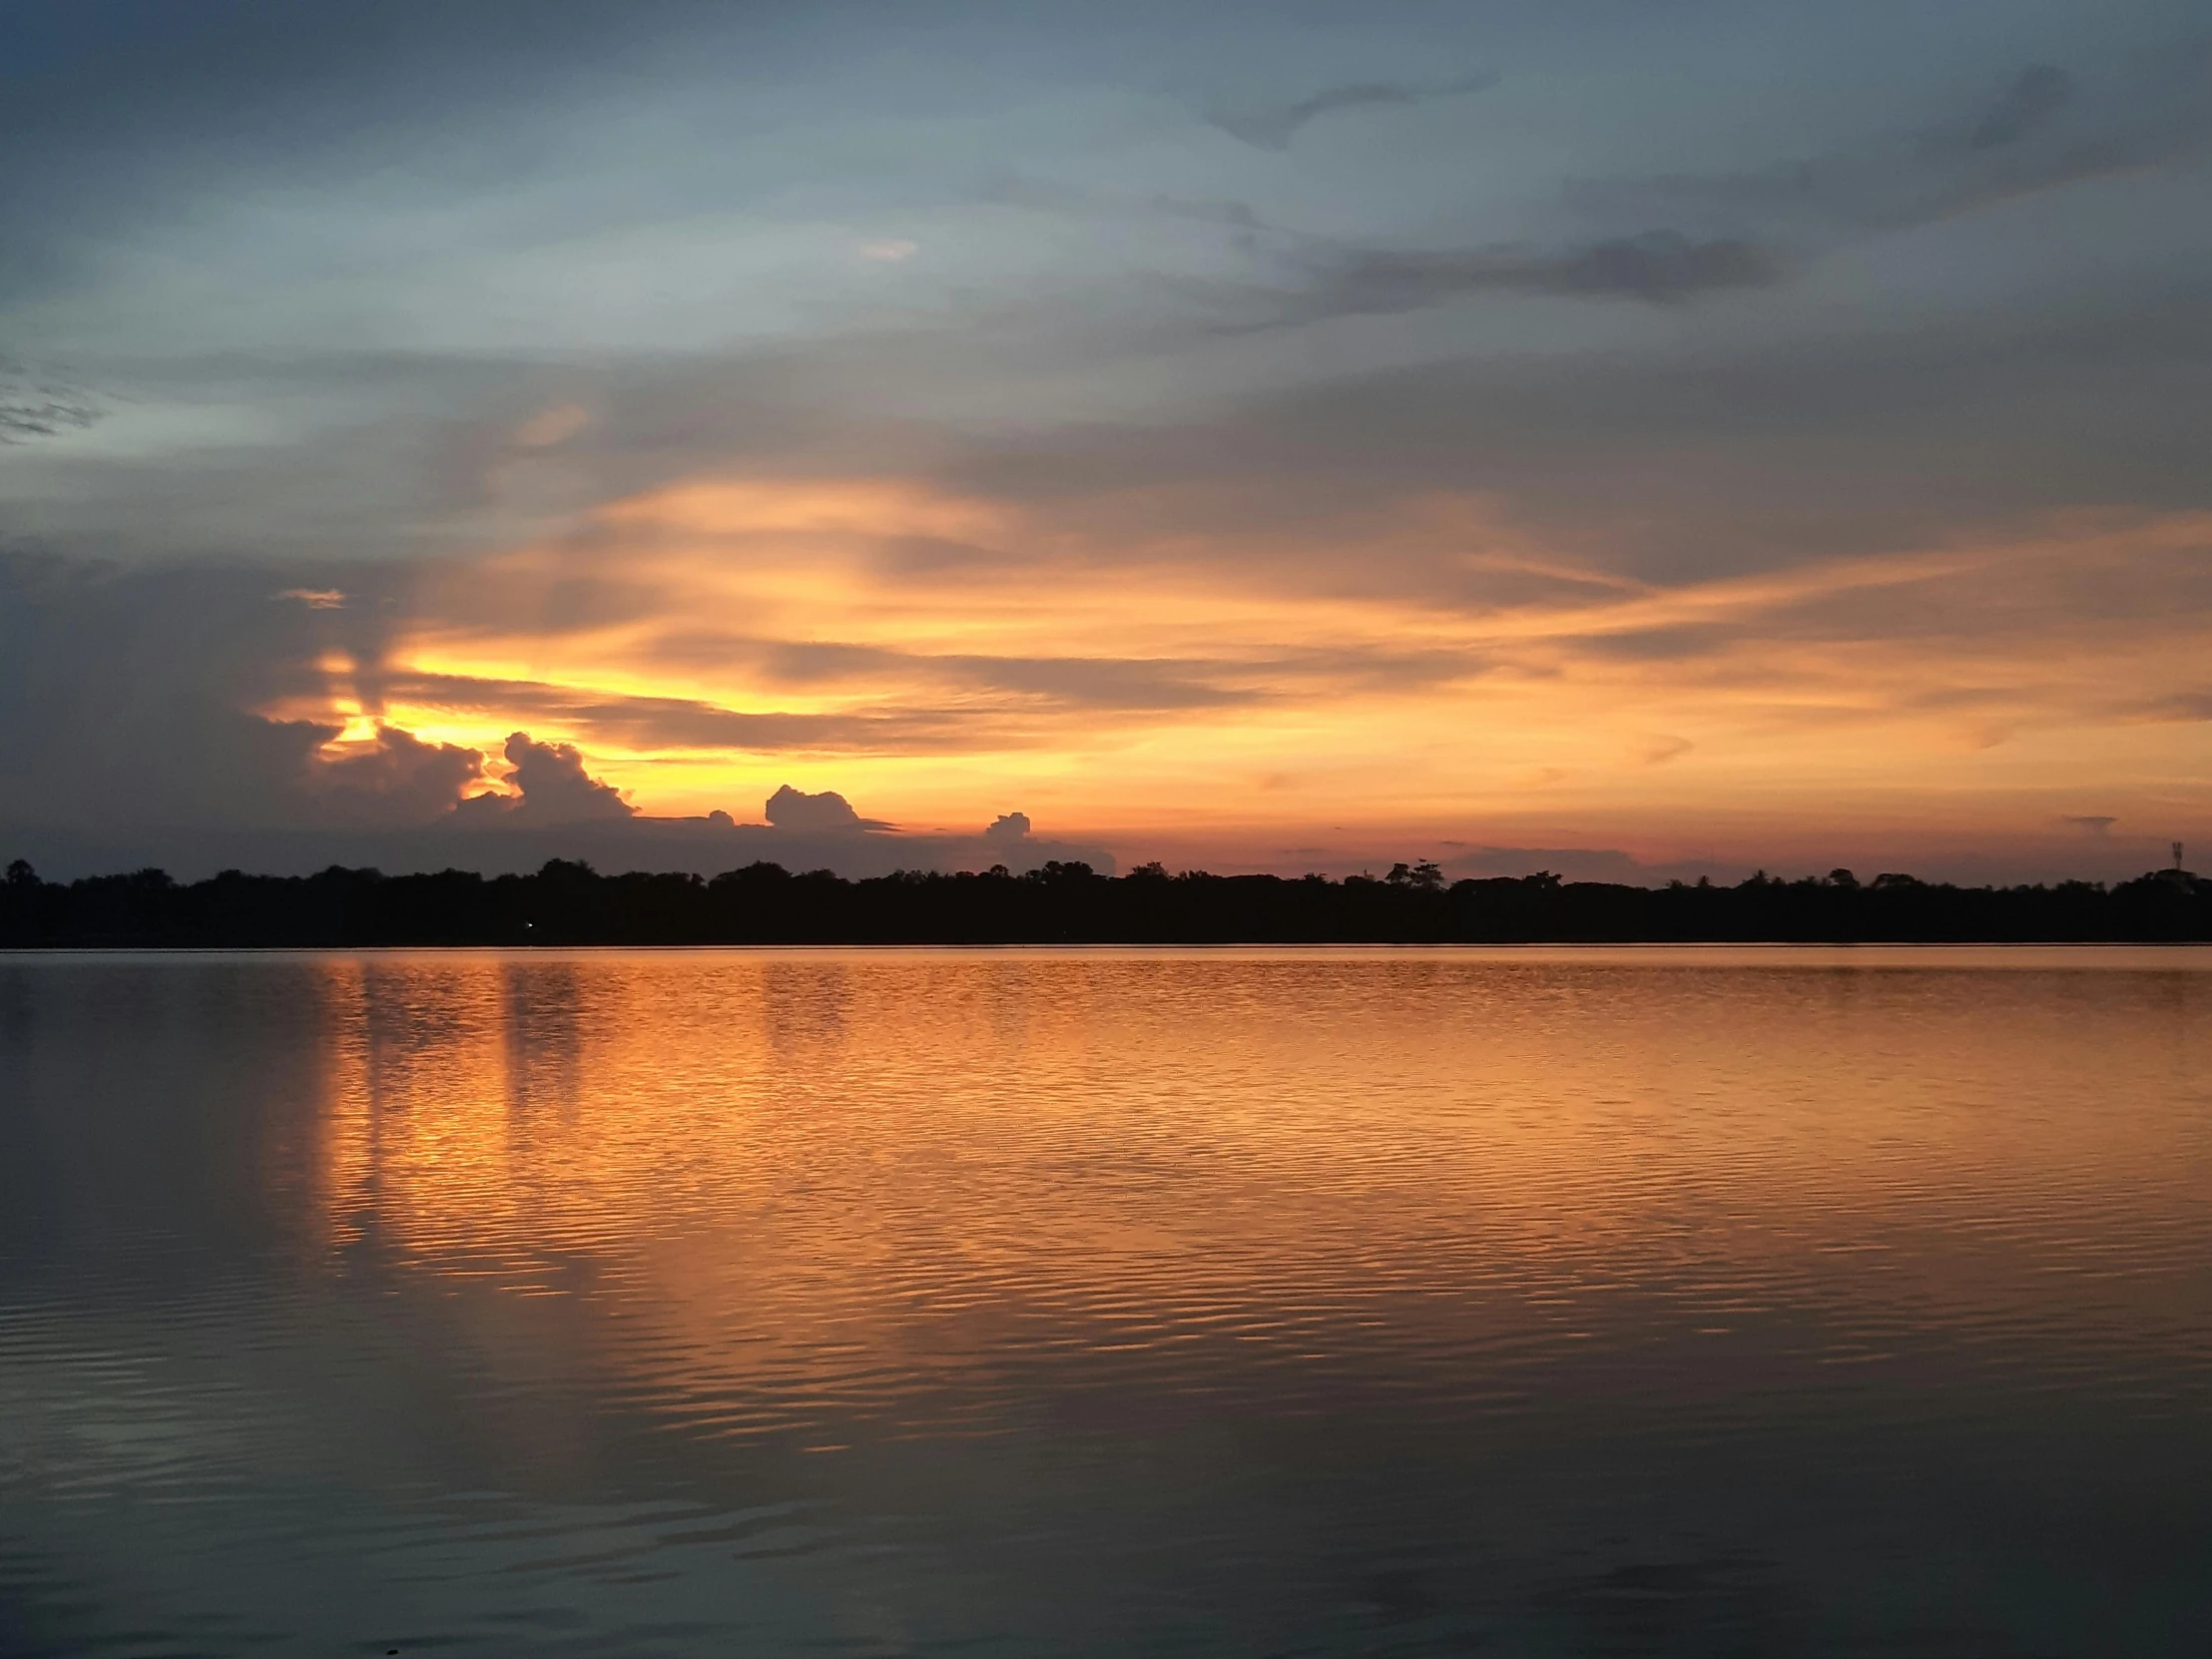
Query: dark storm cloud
[1270,126]
[125,697]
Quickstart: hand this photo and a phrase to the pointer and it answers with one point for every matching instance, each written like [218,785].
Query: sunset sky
[1628,439]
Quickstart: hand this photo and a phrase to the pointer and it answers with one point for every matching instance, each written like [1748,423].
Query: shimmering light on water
[1528,1302]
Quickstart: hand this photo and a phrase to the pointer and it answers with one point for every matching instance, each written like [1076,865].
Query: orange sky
[1307,689]
[1223,437]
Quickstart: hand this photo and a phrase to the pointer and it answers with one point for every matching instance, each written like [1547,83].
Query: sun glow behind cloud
[1249,439]
[1431,670]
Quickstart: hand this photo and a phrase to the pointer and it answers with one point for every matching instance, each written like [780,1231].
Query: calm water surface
[1107,1302]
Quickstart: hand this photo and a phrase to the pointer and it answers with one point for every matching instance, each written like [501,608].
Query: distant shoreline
[569,905]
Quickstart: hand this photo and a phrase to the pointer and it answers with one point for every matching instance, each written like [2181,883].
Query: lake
[1107,1302]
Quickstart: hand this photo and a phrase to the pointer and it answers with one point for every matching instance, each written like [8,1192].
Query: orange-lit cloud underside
[940,658]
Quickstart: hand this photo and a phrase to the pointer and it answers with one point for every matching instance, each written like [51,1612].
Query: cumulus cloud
[551,787]
[1008,827]
[398,780]
[828,811]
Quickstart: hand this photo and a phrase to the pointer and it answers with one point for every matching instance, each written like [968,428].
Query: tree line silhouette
[569,904]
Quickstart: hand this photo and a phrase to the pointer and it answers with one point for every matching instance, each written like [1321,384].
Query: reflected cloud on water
[1107,1302]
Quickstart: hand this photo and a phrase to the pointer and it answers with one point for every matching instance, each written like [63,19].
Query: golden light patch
[705,642]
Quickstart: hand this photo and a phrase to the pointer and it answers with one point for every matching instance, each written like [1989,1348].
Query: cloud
[1123,539]
[2090,823]
[1271,125]
[1573,863]
[1726,232]
[1103,683]
[1008,829]
[825,812]
[126,693]
[2040,133]
[551,787]
[2030,104]
[553,425]
[35,405]
[1016,189]
[690,723]
[1653,465]
[1659,750]
[1657,268]
[396,779]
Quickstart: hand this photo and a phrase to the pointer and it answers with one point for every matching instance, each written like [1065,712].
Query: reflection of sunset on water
[929,1301]
[888,1194]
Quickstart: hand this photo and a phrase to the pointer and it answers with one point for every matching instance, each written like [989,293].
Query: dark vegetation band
[569,904]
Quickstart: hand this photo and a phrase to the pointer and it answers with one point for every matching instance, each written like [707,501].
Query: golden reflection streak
[813,1183]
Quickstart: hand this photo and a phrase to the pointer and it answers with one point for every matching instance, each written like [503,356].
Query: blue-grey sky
[1272,433]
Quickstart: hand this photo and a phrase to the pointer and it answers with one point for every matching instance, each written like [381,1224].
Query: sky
[1631,439]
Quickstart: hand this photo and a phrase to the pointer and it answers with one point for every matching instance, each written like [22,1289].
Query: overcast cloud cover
[1673,437]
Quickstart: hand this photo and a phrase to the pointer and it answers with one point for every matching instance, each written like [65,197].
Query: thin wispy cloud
[1592,454]
[1272,124]
[41,405]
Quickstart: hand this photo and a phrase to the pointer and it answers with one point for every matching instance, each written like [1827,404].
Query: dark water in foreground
[1107,1302]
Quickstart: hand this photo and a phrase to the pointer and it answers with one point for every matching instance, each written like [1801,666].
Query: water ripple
[1107,1302]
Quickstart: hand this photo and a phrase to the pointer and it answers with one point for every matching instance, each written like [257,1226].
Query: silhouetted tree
[567,902]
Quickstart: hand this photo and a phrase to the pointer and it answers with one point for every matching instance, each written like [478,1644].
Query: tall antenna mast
[2177,854]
